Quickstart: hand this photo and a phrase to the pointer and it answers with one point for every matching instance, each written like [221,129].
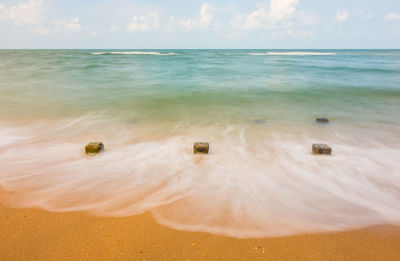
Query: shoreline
[35,234]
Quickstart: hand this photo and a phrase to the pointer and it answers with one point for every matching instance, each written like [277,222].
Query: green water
[209,85]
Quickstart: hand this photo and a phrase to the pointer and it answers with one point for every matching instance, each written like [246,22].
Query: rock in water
[201,147]
[322,120]
[259,122]
[94,147]
[321,149]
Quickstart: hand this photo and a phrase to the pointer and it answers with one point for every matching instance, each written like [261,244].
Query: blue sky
[141,24]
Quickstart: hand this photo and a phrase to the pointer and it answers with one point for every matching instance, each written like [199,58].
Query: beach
[33,234]
[260,192]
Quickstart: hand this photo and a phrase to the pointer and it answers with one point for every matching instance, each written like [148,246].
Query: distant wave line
[292,53]
[135,52]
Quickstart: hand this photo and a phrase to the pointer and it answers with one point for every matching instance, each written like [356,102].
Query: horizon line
[199,48]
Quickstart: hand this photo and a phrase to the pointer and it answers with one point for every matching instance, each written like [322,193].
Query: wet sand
[34,234]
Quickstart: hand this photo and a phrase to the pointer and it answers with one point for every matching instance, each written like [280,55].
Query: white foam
[134,52]
[293,53]
[255,182]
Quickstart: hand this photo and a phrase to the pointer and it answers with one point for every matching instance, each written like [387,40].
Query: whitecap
[133,53]
[293,53]
[254,182]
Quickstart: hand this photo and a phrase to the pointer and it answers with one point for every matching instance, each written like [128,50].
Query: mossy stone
[94,148]
[321,149]
[201,147]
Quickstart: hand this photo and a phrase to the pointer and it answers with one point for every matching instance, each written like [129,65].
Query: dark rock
[259,122]
[201,147]
[94,147]
[322,120]
[321,149]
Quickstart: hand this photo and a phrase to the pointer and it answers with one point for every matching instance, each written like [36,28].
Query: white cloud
[64,25]
[279,13]
[114,28]
[41,30]
[342,15]
[206,16]
[304,19]
[3,11]
[73,25]
[203,20]
[256,19]
[281,9]
[31,12]
[187,24]
[301,33]
[362,13]
[176,24]
[282,34]
[392,17]
[144,23]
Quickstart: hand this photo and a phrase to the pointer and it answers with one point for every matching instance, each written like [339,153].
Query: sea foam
[133,52]
[255,182]
[293,53]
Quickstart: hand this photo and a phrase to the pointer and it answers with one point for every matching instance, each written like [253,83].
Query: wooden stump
[94,148]
[321,149]
[201,147]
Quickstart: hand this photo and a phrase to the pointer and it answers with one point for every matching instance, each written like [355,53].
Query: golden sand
[34,234]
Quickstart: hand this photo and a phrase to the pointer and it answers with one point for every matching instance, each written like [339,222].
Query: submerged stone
[133,121]
[321,149]
[94,147]
[201,147]
[260,122]
[322,120]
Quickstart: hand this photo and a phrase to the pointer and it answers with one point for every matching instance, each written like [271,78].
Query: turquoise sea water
[257,108]
[182,84]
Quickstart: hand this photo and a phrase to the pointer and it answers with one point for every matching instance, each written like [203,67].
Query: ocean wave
[293,53]
[133,52]
[240,189]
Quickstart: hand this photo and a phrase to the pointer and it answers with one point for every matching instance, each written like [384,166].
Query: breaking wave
[132,52]
[293,53]
[254,182]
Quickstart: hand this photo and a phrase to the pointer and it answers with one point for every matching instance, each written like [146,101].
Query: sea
[256,108]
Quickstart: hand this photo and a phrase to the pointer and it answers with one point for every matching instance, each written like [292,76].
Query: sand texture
[34,234]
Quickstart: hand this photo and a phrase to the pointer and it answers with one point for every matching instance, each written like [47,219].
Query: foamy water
[258,114]
[257,180]
[293,53]
[134,52]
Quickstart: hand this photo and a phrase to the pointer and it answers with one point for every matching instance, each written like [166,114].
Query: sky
[173,24]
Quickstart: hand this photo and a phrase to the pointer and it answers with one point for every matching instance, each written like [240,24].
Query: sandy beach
[34,234]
